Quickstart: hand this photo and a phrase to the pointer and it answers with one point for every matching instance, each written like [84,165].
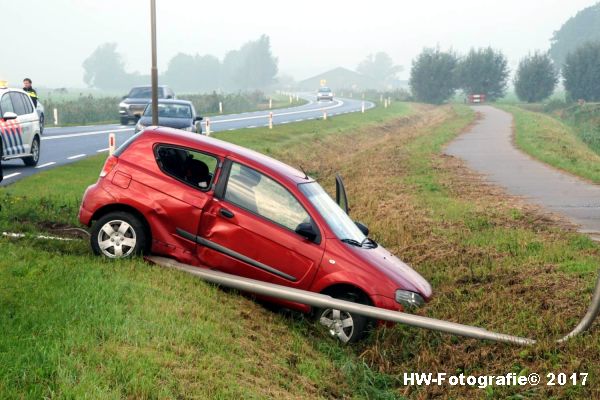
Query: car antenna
[303,171]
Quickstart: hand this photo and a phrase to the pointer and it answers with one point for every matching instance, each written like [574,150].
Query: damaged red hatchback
[213,204]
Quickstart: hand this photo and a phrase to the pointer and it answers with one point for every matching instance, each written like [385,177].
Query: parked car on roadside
[216,205]
[133,104]
[324,93]
[178,114]
[19,127]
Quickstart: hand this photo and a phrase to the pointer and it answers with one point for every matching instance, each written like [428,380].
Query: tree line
[251,67]
[436,75]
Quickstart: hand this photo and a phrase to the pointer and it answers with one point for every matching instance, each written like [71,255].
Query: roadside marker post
[291,99]
[270,103]
[55,116]
[385,103]
[220,107]
[112,143]
[324,115]
[389,101]
[381,98]
[271,120]
[297,98]
[362,108]
[207,126]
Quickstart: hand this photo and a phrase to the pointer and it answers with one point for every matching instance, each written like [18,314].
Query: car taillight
[108,166]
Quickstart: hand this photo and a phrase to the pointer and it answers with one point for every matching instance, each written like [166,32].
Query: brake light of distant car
[110,163]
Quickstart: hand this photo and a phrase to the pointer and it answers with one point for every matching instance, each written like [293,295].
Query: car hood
[395,269]
[136,101]
[177,123]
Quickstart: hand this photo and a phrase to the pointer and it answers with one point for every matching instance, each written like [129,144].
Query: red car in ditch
[213,204]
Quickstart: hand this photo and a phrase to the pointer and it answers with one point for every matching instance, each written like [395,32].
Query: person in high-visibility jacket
[30,91]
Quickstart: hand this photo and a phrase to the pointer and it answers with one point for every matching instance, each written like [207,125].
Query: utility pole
[154,69]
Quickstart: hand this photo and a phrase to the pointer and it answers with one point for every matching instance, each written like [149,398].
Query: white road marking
[46,165]
[70,135]
[77,156]
[102,150]
[299,120]
[339,103]
[12,175]
[251,126]
[285,122]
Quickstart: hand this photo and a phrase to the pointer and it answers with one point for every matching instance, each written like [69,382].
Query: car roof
[222,148]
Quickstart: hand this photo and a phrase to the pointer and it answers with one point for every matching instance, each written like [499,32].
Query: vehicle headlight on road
[409,299]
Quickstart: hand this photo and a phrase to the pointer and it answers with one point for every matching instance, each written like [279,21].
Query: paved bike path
[487,148]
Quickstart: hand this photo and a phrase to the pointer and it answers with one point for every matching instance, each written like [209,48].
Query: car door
[27,119]
[248,229]
[8,129]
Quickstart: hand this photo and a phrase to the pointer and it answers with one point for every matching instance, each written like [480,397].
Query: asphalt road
[487,148]
[65,145]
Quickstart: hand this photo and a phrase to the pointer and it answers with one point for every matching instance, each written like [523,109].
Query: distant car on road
[19,127]
[213,204]
[178,114]
[324,93]
[134,104]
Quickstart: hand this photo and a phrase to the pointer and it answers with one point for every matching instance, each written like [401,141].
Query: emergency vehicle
[19,126]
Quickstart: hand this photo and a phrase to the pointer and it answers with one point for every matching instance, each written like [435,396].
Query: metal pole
[154,69]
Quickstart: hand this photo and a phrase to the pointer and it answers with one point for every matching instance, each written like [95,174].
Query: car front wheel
[119,235]
[346,327]
[34,158]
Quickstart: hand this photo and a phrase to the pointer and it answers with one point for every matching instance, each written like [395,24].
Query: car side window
[27,102]
[191,167]
[6,104]
[263,196]
[18,104]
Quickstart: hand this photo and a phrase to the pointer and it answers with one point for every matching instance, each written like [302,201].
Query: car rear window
[191,167]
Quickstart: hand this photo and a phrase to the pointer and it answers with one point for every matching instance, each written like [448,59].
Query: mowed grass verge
[554,142]
[75,326]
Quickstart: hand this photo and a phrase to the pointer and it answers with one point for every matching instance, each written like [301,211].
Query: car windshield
[170,111]
[339,222]
[325,89]
[143,93]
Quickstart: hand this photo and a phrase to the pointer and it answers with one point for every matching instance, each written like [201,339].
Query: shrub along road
[488,148]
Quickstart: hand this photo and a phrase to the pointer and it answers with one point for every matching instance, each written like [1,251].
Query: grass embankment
[73,326]
[493,262]
[556,143]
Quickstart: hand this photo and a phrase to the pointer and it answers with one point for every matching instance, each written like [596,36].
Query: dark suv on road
[133,105]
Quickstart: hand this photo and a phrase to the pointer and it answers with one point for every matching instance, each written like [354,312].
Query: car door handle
[226,213]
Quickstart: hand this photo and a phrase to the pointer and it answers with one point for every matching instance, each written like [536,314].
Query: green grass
[555,143]
[75,326]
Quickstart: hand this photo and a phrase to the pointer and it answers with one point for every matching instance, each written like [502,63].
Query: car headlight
[139,126]
[123,105]
[409,299]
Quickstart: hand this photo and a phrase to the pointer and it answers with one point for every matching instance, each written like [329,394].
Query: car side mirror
[363,228]
[169,96]
[9,115]
[198,119]
[307,231]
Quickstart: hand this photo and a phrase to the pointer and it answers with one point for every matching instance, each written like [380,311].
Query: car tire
[119,234]
[42,121]
[124,120]
[34,158]
[346,327]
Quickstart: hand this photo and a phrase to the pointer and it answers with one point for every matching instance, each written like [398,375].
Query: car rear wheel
[34,158]
[119,235]
[346,327]
[124,121]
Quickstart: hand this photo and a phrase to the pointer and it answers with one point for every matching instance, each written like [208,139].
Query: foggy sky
[48,40]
